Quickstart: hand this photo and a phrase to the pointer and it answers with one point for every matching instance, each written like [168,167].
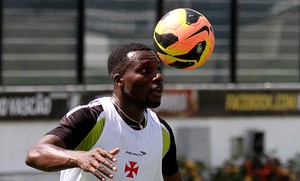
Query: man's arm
[171,171]
[176,177]
[49,154]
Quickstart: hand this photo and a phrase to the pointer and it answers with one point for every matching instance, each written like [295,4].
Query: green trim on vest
[91,139]
[166,141]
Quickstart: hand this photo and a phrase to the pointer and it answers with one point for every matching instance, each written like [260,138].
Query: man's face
[142,79]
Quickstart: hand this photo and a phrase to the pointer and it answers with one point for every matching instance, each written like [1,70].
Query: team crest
[131,169]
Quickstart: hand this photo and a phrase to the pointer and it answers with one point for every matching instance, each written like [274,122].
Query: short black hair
[118,57]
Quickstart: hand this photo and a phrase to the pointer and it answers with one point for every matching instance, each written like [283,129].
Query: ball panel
[185,31]
[174,19]
[201,33]
[176,62]
[192,16]
[194,53]
[166,40]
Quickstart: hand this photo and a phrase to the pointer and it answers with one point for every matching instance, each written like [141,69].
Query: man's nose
[159,77]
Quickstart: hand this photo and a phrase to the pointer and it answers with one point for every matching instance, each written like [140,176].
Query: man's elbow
[33,158]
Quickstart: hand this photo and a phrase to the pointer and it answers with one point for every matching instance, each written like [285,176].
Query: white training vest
[140,157]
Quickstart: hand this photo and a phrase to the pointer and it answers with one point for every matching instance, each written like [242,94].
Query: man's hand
[98,162]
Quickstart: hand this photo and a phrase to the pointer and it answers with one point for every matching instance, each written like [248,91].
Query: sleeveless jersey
[141,151]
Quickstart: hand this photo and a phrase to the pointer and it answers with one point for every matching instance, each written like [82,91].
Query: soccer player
[115,138]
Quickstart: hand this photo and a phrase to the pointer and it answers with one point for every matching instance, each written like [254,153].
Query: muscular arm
[49,154]
[176,177]
[55,151]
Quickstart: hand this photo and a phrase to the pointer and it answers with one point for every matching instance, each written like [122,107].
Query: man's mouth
[158,90]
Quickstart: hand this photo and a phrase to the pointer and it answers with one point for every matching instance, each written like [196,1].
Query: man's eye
[146,70]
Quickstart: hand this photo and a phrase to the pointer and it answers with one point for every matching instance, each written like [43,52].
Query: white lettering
[38,105]
[173,103]
[3,107]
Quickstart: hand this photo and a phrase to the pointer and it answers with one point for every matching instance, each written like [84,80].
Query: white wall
[16,137]
[281,134]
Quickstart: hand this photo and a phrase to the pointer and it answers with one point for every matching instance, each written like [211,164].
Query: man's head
[136,72]
[118,60]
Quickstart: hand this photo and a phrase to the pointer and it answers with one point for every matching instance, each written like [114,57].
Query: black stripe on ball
[166,40]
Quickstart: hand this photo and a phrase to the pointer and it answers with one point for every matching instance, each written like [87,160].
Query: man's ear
[118,80]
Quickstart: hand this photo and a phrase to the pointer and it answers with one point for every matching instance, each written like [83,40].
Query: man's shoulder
[163,122]
[93,108]
[100,100]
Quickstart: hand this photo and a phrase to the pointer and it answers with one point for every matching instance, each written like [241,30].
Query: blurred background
[237,117]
